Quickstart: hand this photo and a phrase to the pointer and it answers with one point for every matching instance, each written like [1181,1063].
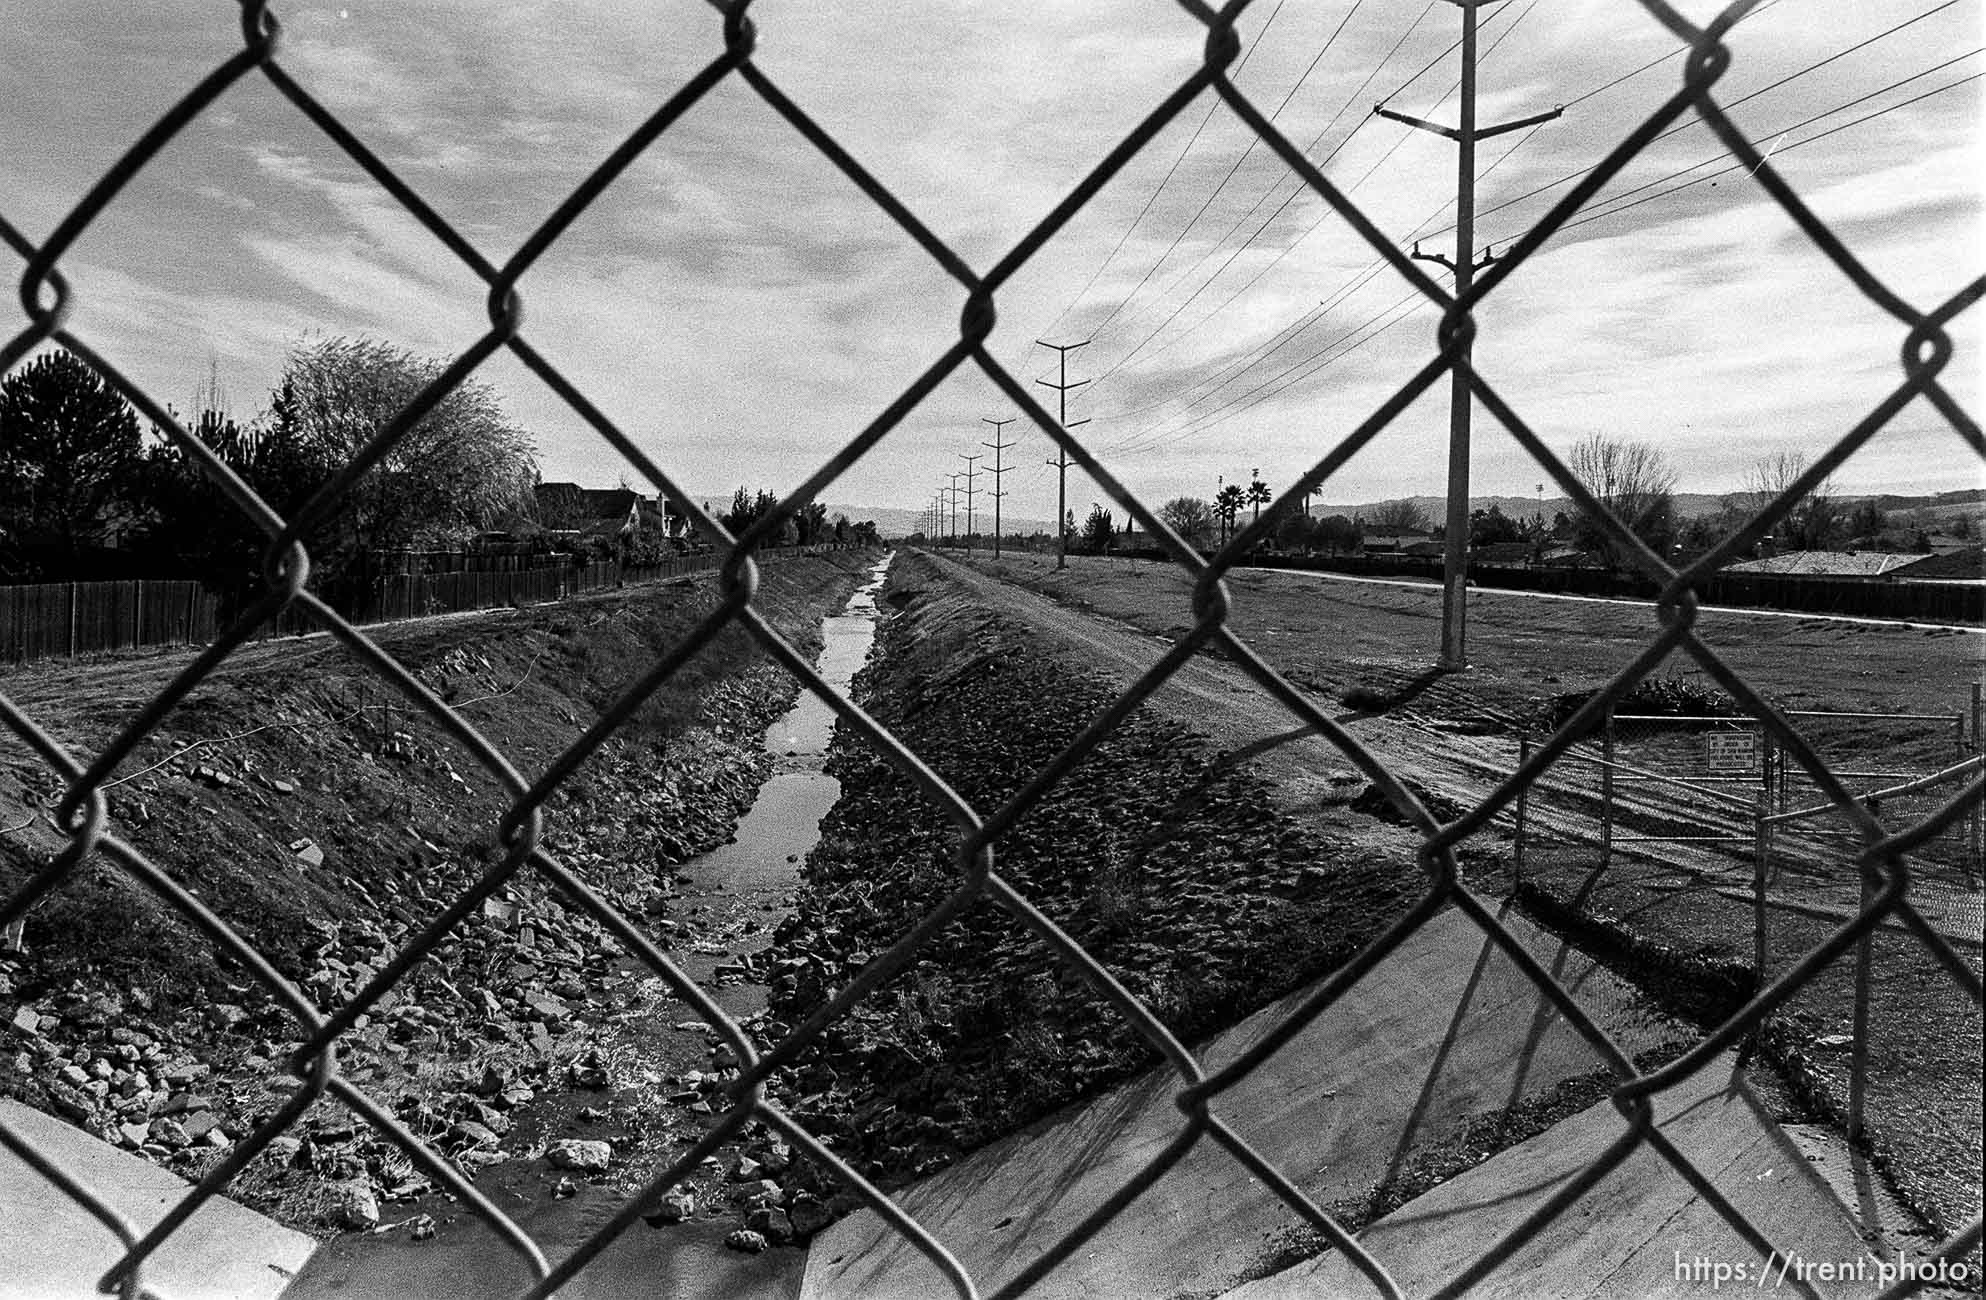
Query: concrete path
[51,1247]
[1444,1029]
[1642,1231]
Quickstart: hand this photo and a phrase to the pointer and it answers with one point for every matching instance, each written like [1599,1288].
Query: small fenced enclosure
[1706,831]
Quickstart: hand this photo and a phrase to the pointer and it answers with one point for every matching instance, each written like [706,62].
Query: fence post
[1607,786]
[1977,820]
[1761,872]
[1523,798]
[1858,1069]
[72,621]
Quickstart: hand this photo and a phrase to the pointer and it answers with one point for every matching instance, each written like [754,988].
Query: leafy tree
[194,522]
[1634,481]
[1295,532]
[460,465]
[811,522]
[1490,525]
[1337,534]
[744,509]
[69,459]
[1191,518]
[1097,530]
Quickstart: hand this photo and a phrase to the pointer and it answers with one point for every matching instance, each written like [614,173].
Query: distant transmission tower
[1061,461]
[971,472]
[998,470]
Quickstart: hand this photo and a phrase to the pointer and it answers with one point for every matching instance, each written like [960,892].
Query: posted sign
[1730,751]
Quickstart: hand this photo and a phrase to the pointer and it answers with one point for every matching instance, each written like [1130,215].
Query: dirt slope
[328,823]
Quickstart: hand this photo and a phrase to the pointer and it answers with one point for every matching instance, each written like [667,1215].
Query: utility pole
[1455,538]
[998,470]
[1061,461]
[970,492]
[955,507]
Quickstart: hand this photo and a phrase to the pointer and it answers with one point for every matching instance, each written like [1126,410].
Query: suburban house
[607,513]
[1506,554]
[1398,541]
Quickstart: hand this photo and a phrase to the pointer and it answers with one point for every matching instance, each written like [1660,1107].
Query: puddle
[736,894]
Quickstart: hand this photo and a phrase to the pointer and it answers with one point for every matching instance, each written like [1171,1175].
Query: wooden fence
[58,619]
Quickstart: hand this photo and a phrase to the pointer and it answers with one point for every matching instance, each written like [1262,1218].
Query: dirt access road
[1372,644]
[1453,735]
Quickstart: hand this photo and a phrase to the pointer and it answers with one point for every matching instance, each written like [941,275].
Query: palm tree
[1227,504]
[1259,494]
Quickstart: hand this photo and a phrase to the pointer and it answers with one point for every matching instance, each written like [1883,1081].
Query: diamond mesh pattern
[1885,842]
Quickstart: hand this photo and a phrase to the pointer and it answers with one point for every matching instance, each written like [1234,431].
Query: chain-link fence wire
[1880,1043]
[1885,846]
[1693,827]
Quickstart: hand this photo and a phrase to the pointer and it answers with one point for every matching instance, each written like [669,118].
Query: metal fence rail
[1883,847]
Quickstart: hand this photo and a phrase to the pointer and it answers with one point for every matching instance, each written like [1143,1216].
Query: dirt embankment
[328,823]
[1169,863]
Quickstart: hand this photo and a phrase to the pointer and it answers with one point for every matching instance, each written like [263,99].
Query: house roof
[1504,552]
[586,509]
[1825,564]
[1969,563]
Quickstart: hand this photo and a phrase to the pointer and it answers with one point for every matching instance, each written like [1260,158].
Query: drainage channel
[731,899]
[734,896]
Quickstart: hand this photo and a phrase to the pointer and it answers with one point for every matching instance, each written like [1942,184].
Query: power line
[1695,121]
[1372,268]
[1415,301]
[1787,148]
[1298,191]
[1289,333]
[1253,142]
[1167,178]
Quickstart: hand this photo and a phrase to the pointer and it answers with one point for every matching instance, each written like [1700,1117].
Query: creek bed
[734,896]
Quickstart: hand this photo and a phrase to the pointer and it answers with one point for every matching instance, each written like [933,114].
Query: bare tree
[1816,522]
[1397,516]
[1635,482]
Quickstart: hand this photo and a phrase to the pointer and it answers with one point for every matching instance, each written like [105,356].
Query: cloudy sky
[742,310]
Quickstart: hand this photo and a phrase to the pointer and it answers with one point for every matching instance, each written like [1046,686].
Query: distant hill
[1689,505]
[895,521]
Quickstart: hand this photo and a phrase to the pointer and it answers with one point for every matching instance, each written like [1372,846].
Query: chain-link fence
[1885,848]
[1704,831]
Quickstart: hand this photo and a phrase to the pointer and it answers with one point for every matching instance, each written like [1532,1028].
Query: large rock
[353,1205]
[584,1155]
